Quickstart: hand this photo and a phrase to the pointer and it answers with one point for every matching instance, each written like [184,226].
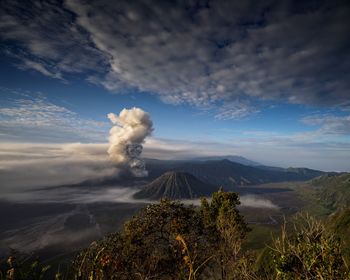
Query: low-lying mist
[117,194]
[256,201]
[58,219]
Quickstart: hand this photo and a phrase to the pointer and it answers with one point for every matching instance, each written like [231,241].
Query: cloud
[115,194]
[29,64]
[330,124]
[28,166]
[235,110]
[209,55]
[255,201]
[34,118]
[48,40]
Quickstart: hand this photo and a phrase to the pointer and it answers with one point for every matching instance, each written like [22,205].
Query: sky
[267,80]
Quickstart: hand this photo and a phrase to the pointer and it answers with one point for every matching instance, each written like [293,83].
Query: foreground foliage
[170,240]
[310,251]
[20,267]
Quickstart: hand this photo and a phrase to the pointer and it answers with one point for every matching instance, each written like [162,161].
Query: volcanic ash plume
[130,129]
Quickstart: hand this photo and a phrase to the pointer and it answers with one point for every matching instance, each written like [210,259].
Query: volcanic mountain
[175,185]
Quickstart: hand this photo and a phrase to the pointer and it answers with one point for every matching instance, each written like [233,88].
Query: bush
[22,267]
[310,252]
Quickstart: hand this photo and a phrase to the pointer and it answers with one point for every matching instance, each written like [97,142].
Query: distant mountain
[229,174]
[271,168]
[223,173]
[302,171]
[175,185]
[237,159]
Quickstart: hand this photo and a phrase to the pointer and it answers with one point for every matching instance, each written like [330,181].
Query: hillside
[230,174]
[175,185]
[333,190]
[339,222]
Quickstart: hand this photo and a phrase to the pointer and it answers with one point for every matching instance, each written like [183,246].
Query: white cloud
[40,67]
[37,119]
[235,110]
[255,201]
[330,124]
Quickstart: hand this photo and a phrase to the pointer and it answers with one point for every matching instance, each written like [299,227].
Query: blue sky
[256,84]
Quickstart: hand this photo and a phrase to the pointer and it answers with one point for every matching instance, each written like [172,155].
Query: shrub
[310,252]
[23,267]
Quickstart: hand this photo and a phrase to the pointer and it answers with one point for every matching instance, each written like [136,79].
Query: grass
[260,236]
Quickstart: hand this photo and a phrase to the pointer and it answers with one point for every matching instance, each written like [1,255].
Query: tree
[169,240]
[228,230]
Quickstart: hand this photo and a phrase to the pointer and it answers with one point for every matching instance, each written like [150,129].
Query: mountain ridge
[233,158]
[230,174]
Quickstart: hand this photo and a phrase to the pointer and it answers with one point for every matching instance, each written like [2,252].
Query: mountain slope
[333,190]
[339,223]
[175,185]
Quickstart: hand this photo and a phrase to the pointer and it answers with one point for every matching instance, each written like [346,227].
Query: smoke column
[130,129]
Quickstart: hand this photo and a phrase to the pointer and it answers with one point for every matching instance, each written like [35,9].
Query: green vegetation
[22,267]
[310,252]
[333,191]
[339,223]
[260,236]
[325,194]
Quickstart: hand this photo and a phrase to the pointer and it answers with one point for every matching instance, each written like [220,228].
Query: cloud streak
[34,118]
[330,124]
